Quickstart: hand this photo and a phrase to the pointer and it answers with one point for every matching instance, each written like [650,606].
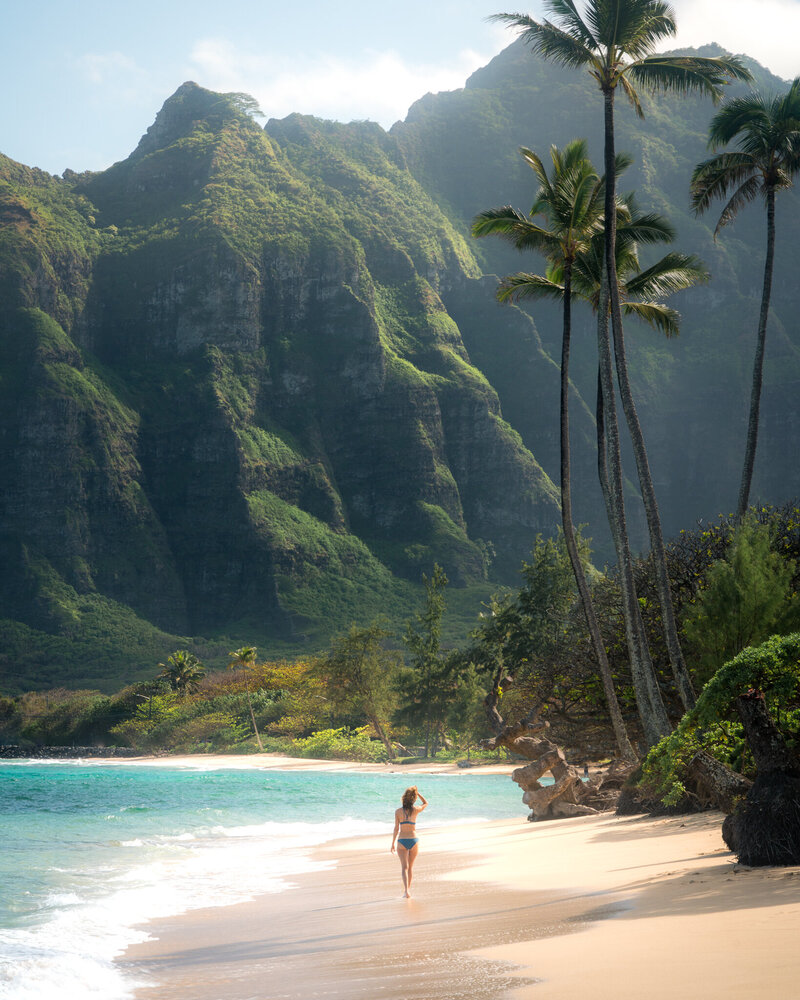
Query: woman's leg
[412,855]
[403,853]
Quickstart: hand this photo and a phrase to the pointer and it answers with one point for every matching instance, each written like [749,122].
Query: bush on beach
[713,725]
[342,744]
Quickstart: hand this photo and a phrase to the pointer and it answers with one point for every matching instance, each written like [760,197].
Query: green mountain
[254,382]
[233,401]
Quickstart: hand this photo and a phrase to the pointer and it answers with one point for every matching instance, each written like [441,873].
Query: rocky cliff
[254,382]
[234,399]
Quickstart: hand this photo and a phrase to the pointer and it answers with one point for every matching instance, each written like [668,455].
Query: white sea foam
[71,953]
[99,856]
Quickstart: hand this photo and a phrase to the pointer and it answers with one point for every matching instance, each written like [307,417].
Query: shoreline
[597,906]
[281,762]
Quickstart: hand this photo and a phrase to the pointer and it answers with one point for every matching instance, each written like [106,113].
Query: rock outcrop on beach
[254,382]
[764,827]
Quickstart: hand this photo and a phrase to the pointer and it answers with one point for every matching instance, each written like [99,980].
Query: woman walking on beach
[405,819]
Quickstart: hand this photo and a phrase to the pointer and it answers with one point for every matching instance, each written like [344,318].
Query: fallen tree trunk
[715,784]
[764,829]
[569,795]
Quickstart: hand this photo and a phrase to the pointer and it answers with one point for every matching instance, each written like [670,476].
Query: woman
[405,819]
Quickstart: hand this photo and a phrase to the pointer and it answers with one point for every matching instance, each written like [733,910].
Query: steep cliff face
[253,381]
[244,405]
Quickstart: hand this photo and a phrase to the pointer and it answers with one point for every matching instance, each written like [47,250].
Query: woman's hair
[409,797]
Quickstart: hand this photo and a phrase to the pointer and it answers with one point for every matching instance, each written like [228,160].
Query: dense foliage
[244,393]
[713,725]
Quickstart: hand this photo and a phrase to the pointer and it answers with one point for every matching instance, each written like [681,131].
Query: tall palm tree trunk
[758,364]
[682,680]
[655,721]
[623,743]
[649,704]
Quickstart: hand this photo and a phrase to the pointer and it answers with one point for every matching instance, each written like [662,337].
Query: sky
[83,80]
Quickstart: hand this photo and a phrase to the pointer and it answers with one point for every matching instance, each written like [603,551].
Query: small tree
[748,596]
[424,685]
[244,659]
[466,717]
[358,674]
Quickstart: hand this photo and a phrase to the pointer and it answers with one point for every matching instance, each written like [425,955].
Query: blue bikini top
[407,822]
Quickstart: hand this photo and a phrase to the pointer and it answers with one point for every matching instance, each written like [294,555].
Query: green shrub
[713,724]
[748,596]
[341,744]
[212,731]
[60,717]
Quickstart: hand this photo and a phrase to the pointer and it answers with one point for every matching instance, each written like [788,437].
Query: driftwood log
[714,784]
[764,829]
[569,795]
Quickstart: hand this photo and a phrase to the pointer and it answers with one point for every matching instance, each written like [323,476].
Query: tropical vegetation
[610,657]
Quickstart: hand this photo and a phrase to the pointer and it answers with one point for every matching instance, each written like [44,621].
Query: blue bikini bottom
[406,842]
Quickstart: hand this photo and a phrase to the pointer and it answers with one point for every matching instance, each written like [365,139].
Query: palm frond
[566,13]
[536,165]
[513,227]
[740,114]
[549,40]
[630,92]
[743,195]
[528,286]
[649,228]
[634,26]
[656,315]
[497,221]
[687,74]
[715,177]
[621,162]
[675,272]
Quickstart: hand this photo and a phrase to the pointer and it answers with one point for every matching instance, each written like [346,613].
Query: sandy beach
[596,907]
[278,762]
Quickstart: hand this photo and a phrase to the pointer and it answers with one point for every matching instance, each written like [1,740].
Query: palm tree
[244,659]
[767,133]
[640,291]
[615,41]
[571,204]
[183,671]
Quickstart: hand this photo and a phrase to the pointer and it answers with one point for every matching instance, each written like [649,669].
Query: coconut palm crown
[570,204]
[766,130]
[183,671]
[641,290]
[615,40]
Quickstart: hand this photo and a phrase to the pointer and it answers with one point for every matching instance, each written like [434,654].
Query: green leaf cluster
[772,667]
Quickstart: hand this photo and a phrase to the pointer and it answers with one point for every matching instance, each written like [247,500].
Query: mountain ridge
[253,381]
[259,385]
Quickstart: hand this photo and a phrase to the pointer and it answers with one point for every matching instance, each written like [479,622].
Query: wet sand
[595,908]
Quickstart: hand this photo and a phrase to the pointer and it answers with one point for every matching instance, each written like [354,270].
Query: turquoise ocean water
[88,851]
